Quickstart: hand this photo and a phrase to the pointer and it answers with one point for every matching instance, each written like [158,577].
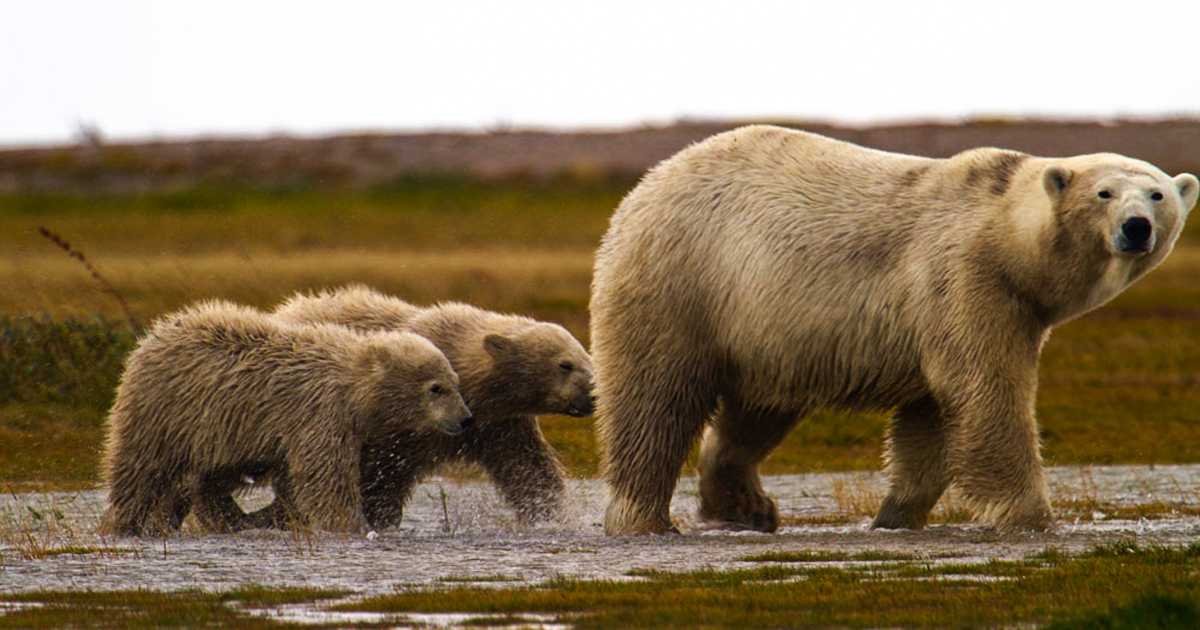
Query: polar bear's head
[1138,207]
[1115,216]
[546,367]
[412,383]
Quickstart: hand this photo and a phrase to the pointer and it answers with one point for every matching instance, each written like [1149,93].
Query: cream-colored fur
[218,391]
[766,273]
[512,368]
[355,306]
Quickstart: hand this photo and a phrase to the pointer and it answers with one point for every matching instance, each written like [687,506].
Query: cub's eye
[436,390]
[1104,194]
[566,366]
[1157,196]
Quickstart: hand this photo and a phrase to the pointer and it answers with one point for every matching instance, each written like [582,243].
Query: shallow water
[461,533]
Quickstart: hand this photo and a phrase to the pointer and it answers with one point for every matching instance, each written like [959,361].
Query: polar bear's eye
[436,390]
[566,366]
[1157,196]
[1105,194]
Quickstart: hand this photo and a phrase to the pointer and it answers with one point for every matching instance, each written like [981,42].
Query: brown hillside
[364,160]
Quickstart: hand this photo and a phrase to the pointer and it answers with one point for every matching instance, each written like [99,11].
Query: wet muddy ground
[461,533]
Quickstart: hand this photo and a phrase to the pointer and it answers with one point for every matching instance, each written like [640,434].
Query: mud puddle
[457,533]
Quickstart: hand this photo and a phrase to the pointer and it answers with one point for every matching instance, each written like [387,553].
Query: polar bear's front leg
[916,464]
[324,480]
[992,450]
[522,465]
[994,460]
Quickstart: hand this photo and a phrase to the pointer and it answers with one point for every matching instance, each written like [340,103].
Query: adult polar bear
[765,273]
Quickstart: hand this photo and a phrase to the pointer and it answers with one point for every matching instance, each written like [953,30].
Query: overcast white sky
[143,69]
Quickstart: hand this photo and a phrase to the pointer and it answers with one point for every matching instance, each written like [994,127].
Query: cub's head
[414,384]
[545,368]
[1115,218]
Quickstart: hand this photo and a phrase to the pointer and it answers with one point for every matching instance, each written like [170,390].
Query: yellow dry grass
[550,282]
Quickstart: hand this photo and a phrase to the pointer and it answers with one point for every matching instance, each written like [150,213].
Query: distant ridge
[364,160]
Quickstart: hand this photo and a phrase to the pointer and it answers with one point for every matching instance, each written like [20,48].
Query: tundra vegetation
[1116,586]
[1119,385]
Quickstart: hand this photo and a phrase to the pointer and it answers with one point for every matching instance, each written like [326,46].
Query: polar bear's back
[776,248]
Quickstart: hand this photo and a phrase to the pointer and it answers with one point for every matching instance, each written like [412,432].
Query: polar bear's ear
[1189,189]
[1055,179]
[376,358]
[499,346]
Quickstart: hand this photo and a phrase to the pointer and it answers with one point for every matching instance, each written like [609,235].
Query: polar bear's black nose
[1137,232]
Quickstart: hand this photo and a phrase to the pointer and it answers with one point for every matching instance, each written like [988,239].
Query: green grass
[151,609]
[499,577]
[1121,585]
[1119,385]
[57,383]
[1148,611]
[1121,582]
[830,556]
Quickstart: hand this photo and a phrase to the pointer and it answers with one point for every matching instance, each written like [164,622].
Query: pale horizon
[135,70]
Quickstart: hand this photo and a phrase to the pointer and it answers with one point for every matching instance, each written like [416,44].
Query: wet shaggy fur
[219,391]
[765,273]
[512,369]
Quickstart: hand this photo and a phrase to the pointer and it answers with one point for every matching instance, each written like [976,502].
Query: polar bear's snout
[454,426]
[582,406]
[1136,236]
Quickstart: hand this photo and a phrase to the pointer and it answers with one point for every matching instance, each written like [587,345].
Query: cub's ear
[499,346]
[1055,179]
[376,358]
[1189,189]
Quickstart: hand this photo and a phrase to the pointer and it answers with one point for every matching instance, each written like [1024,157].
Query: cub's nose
[582,408]
[1137,232]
